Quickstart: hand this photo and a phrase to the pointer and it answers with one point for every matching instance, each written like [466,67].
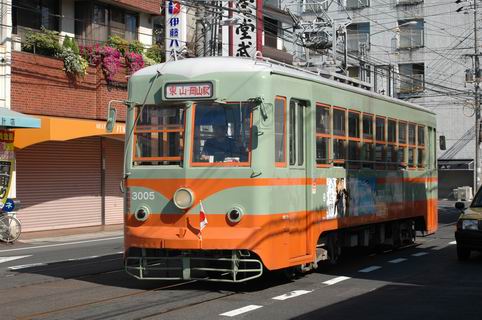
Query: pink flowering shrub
[134,61]
[110,59]
[107,57]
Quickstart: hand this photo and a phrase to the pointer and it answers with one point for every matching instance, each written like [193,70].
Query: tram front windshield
[222,134]
[159,135]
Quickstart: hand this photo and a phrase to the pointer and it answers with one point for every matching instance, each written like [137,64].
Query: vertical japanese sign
[175,28]
[245,37]
[7,163]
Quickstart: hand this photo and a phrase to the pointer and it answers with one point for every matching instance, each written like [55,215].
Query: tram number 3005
[142,195]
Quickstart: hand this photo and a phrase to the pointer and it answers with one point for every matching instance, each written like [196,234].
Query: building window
[95,22]
[358,37]
[412,77]
[357,4]
[271,28]
[411,34]
[35,14]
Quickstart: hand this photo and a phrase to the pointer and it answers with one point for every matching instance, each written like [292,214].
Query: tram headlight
[235,214]
[142,214]
[183,198]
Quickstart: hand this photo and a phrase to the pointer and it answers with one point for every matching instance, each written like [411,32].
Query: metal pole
[477,100]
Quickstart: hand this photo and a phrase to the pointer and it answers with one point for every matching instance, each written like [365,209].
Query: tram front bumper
[206,265]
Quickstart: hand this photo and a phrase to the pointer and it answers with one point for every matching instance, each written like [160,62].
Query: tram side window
[322,134]
[339,135]
[280,131]
[392,141]
[402,142]
[368,148]
[380,141]
[292,133]
[420,146]
[412,145]
[354,138]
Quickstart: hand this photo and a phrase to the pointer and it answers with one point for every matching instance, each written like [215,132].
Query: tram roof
[195,67]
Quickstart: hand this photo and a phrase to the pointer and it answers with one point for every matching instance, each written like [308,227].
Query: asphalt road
[85,280]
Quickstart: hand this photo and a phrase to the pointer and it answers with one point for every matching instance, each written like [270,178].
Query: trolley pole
[476,100]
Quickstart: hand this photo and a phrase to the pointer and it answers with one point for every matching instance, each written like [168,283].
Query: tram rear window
[222,134]
[159,135]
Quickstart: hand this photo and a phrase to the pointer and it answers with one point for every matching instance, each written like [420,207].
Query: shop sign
[245,37]
[175,27]
[6,145]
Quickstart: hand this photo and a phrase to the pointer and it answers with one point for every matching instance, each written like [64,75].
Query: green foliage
[74,64]
[118,43]
[71,44]
[155,53]
[136,47]
[45,42]
[148,61]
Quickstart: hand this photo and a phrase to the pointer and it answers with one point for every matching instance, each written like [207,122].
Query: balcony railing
[411,38]
[357,4]
[355,41]
[408,2]
[410,84]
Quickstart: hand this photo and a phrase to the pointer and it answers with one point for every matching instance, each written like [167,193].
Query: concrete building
[421,45]
[68,171]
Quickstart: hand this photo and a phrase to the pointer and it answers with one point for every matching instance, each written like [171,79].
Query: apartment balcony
[411,86]
[40,86]
[411,39]
[408,2]
[356,42]
[357,4]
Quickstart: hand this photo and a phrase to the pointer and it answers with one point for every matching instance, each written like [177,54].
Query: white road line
[336,280]
[239,311]
[82,258]
[397,260]
[453,242]
[24,266]
[6,259]
[291,294]
[419,254]
[61,244]
[369,269]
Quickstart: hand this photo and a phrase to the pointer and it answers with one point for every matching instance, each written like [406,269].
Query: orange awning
[63,129]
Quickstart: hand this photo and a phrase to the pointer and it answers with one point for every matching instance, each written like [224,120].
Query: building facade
[68,171]
[414,50]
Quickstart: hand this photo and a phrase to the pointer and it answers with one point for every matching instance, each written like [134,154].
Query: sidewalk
[73,234]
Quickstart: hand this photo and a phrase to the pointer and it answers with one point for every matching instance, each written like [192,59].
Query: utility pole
[476,80]
[477,99]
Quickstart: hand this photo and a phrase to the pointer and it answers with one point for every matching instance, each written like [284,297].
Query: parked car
[469,228]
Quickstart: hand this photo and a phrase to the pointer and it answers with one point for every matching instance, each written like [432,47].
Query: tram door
[298,227]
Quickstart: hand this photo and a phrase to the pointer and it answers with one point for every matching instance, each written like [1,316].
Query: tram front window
[159,135]
[222,134]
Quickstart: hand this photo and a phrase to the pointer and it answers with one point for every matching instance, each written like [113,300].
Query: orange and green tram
[237,166]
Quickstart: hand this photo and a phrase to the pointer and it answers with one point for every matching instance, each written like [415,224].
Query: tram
[235,167]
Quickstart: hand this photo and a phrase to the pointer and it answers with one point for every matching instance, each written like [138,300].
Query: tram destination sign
[199,90]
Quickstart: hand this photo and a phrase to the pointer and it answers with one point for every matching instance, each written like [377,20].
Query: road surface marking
[336,280]
[239,311]
[291,294]
[6,259]
[82,258]
[369,269]
[61,244]
[419,254]
[453,242]
[397,260]
[24,266]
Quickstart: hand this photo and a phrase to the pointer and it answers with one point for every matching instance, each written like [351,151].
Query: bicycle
[10,227]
